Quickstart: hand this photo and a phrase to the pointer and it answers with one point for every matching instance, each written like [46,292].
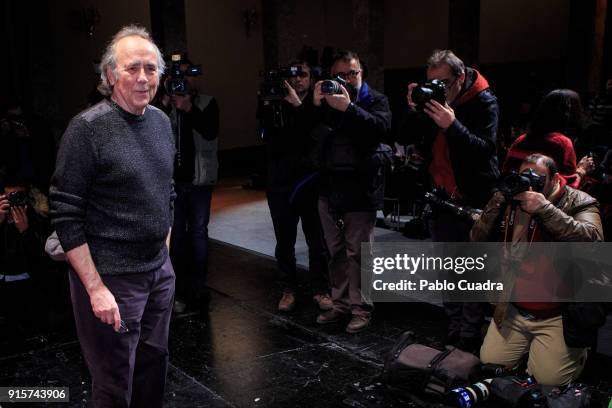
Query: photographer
[354,121]
[291,187]
[195,123]
[554,334]
[460,144]
[22,234]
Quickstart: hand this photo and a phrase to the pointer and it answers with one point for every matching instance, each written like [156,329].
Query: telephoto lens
[469,396]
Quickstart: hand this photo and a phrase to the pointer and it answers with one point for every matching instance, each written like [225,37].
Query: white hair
[109,59]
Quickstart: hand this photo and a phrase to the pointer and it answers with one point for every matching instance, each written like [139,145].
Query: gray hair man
[111,205]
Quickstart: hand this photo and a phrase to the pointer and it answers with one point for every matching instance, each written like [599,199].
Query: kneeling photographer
[354,122]
[286,117]
[536,205]
[454,121]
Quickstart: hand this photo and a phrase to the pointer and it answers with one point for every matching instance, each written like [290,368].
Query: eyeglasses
[350,74]
[448,82]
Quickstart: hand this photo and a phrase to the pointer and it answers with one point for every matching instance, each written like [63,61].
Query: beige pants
[551,362]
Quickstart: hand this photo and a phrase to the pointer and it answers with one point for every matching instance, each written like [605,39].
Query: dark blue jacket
[352,175]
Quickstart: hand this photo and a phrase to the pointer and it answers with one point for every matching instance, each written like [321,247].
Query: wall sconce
[249,19]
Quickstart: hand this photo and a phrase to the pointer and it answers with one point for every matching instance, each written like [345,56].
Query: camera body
[177,83]
[332,86]
[427,91]
[17,199]
[273,87]
[515,183]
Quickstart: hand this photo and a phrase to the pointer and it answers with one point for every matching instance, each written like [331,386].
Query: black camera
[438,198]
[515,183]
[273,86]
[17,199]
[427,91]
[177,84]
[332,86]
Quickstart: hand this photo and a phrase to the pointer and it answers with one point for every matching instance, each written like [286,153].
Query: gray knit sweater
[113,189]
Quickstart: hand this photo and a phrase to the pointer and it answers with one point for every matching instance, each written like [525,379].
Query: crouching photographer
[354,121]
[22,234]
[536,205]
[286,117]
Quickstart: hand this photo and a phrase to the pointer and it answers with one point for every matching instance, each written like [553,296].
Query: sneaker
[179,307]
[358,323]
[324,301]
[287,302]
[331,316]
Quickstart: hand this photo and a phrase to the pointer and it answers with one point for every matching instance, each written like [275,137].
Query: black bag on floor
[419,368]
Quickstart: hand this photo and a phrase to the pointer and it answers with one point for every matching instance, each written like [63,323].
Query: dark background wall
[48,48]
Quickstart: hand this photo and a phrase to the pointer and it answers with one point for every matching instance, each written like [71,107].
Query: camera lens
[330,87]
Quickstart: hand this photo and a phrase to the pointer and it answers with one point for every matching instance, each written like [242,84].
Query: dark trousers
[285,218]
[344,247]
[127,369]
[466,318]
[189,240]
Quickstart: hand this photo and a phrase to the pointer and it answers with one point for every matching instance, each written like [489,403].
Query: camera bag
[416,367]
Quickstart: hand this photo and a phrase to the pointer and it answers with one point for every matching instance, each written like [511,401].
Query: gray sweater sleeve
[75,171]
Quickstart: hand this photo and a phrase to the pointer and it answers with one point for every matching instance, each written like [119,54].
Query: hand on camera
[317,95]
[442,115]
[339,101]
[4,208]
[531,201]
[411,104]
[20,217]
[292,96]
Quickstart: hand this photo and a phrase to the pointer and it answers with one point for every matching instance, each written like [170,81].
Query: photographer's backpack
[418,368]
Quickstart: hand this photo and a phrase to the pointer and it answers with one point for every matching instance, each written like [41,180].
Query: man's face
[137,74]
[453,83]
[301,83]
[540,169]
[350,71]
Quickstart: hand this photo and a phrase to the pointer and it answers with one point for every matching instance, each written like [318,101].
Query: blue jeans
[189,240]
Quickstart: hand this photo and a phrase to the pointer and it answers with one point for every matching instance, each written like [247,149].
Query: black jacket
[352,174]
[471,139]
[20,253]
[290,146]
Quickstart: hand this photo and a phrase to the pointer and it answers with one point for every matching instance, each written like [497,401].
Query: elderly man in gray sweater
[111,205]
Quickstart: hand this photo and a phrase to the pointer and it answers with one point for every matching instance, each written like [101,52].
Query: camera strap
[510,223]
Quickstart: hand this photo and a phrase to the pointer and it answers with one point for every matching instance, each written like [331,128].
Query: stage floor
[241,352]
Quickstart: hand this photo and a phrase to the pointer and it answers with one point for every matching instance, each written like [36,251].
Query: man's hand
[443,115]
[182,102]
[411,104]
[105,307]
[585,166]
[4,208]
[339,101]
[292,96]
[531,201]
[317,95]
[20,217]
